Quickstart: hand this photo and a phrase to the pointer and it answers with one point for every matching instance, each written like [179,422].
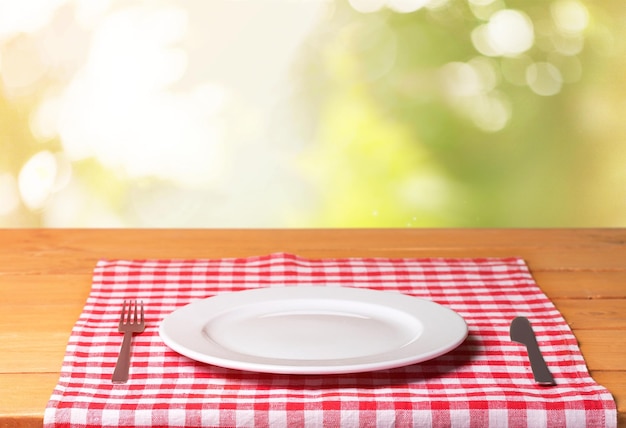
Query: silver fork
[131,322]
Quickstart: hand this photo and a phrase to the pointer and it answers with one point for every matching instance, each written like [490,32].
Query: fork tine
[132,312]
[123,314]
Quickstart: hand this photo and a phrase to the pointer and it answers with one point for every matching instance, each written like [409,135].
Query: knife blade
[522,332]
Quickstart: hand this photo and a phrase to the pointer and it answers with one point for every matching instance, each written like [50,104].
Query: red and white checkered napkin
[484,382]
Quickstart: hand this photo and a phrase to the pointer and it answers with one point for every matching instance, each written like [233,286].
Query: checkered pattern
[484,382]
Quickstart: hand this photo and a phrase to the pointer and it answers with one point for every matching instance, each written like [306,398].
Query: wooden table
[45,277]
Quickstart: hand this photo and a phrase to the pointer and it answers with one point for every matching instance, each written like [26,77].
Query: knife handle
[538,365]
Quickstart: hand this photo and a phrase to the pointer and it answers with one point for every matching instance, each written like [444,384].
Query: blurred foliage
[385,143]
[379,133]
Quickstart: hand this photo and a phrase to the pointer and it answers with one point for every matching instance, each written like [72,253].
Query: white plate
[312,330]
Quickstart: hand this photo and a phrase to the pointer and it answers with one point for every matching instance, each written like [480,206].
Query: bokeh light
[544,78]
[9,194]
[37,178]
[509,32]
[570,16]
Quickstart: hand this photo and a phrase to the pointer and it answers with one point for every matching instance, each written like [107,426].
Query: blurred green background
[313,113]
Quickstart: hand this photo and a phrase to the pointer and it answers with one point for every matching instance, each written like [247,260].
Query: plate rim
[232,299]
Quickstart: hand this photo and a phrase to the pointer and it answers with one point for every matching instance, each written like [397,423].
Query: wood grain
[48,271]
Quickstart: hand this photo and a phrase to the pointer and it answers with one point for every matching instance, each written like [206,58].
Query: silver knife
[522,332]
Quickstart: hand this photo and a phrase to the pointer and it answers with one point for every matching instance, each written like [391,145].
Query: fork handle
[120,374]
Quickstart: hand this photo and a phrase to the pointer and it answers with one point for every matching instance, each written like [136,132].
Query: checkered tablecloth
[484,382]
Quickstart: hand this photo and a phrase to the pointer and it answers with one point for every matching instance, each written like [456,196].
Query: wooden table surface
[45,277]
